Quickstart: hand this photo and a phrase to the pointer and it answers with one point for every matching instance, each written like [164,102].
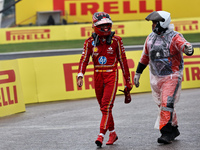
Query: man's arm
[83,63]
[139,71]
[181,44]
[144,61]
[124,65]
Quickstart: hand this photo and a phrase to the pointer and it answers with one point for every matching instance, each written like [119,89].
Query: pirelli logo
[192,25]
[87,31]
[24,35]
[86,7]
[8,94]
[191,68]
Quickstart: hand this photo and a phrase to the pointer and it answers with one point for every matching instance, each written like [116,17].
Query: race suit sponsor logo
[93,43]
[95,49]
[110,50]
[102,60]
[9,93]
[30,35]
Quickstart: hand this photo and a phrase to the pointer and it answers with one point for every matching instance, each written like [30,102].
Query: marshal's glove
[136,79]
[126,92]
[188,50]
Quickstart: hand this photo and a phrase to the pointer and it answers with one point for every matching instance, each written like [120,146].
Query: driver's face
[105,27]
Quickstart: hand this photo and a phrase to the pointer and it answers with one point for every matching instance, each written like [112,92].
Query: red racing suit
[105,60]
[164,54]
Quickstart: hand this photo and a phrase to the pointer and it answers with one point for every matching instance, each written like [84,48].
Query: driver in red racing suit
[106,51]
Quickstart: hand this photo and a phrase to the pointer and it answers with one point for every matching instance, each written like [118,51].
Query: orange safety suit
[164,54]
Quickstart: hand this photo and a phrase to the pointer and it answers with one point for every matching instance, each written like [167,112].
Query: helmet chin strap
[96,39]
[109,38]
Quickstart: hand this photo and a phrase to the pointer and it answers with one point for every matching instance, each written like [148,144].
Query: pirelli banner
[83,31]
[120,10]
[11,95]
[44,79]
[54,78]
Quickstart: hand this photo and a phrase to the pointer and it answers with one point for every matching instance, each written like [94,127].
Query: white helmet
[162,17]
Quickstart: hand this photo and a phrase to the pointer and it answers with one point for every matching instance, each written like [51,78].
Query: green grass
[52,45]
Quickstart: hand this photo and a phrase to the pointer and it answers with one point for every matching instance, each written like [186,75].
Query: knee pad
[170,102]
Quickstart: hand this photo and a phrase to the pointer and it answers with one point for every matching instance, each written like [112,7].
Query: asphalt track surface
[74,125]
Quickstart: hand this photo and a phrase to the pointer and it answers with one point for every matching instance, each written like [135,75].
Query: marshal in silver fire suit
[164,54]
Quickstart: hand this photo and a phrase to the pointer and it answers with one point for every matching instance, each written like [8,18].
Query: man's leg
[107,101]
[99,88]
[167,114]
